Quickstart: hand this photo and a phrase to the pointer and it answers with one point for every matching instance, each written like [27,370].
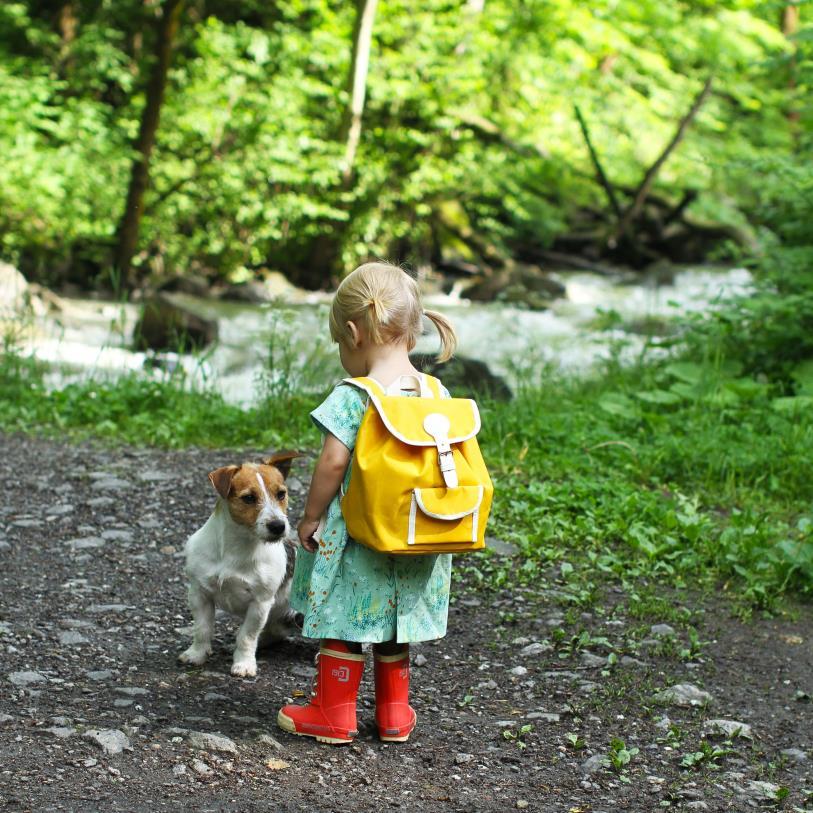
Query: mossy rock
[464,376]
[166,325]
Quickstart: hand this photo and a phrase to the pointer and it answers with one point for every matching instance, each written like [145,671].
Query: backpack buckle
[438,426]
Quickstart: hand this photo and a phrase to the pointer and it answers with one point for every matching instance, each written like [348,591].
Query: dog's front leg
[245,660]
[203,613]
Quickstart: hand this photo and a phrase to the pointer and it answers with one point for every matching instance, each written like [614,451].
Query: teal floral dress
[352,593]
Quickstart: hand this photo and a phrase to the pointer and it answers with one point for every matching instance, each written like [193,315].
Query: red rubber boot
[330,716]
[394,716]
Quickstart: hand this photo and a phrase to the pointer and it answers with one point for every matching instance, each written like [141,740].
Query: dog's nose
[276,527]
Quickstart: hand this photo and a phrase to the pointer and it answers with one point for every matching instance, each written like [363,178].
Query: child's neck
[388,362]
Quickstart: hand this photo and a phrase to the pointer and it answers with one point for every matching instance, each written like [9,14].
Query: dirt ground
[518,707]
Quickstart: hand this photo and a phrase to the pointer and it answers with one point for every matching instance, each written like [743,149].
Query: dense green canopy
[469,128]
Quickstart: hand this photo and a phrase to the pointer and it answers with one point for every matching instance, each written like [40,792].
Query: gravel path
[517,708]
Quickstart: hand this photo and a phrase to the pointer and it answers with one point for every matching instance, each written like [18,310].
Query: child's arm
[327,479]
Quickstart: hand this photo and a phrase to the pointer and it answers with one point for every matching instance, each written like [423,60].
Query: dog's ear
[282,461]
[221,479]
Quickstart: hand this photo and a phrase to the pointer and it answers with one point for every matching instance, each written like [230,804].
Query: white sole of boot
[287,724]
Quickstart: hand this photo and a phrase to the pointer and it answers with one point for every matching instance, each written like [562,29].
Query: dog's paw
[244,668]
[194,656]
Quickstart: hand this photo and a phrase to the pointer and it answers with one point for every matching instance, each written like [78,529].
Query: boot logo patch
[405,673]
[342,674]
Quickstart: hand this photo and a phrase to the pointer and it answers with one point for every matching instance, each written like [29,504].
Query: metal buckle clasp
[438,426]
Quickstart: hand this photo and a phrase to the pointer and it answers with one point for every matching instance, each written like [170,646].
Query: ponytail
[448,337]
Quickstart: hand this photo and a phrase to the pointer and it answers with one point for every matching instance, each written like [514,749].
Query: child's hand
[307,528]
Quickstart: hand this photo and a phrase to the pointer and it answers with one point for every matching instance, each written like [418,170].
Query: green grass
[680,474]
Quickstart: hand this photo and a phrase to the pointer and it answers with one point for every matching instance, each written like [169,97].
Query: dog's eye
[248,499]
[281,495]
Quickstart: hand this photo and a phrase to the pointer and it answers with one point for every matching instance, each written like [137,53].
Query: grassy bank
[682,473]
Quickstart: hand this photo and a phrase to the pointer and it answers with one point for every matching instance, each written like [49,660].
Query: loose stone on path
[111,741]
[212,742]
[727,729]
[685,695]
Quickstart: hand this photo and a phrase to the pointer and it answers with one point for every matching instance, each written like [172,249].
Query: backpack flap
[445,515]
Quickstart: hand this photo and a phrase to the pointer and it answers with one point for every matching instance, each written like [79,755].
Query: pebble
[727,729]
[71,638]
[796,754]
[592,661]
[544,716]
[108,608]
[26,678]
[100,674]
[156,476]
[131,691]
[85,542]
[267,739]
[179,770]
[685,695]
[627,660]
[420,660]
[5,718]
[100,502]
[115,535]
[662,631]
[111,740]
[462,759]
[200,767]
[60,732]
[212,742]
[756,789]
[111,484]
[593,764]
[519,671]
[535,648]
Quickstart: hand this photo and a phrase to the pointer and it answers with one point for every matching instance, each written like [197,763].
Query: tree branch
[641,193]
[600,174]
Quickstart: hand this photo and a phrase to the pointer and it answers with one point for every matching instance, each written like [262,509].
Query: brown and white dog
[242,560]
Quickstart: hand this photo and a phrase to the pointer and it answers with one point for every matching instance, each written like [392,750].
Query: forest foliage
[469,114]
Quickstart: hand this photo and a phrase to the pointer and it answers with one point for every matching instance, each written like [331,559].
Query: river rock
[166,324]
[685,695]
[795,754]
[727,729]
[111,740]
[465,376]
[759,791]
[517,284]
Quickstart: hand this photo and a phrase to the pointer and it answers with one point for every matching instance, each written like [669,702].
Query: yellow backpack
[418,483]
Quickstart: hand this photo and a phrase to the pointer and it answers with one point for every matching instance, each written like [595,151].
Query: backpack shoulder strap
[368,385]
[434,385]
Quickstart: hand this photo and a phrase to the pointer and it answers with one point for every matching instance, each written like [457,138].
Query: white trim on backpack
[393,431]
[417,501]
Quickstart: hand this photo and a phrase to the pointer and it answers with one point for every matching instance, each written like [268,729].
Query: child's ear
[354,333]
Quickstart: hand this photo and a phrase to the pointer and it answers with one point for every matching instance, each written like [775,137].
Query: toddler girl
[348,593]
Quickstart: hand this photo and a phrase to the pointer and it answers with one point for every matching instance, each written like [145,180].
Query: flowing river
[281,345]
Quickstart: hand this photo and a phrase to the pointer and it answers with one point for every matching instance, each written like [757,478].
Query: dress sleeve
[340,414]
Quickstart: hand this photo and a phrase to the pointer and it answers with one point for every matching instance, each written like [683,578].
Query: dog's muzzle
[276,530]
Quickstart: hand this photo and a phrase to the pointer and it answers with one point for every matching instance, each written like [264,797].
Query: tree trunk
[789,23]
[67,22]
[357,85]
[127,235]
[323,256]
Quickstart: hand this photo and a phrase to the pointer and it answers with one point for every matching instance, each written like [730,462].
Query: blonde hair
[384,301]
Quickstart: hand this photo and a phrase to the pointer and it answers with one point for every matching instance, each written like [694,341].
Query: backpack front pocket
[440,516]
